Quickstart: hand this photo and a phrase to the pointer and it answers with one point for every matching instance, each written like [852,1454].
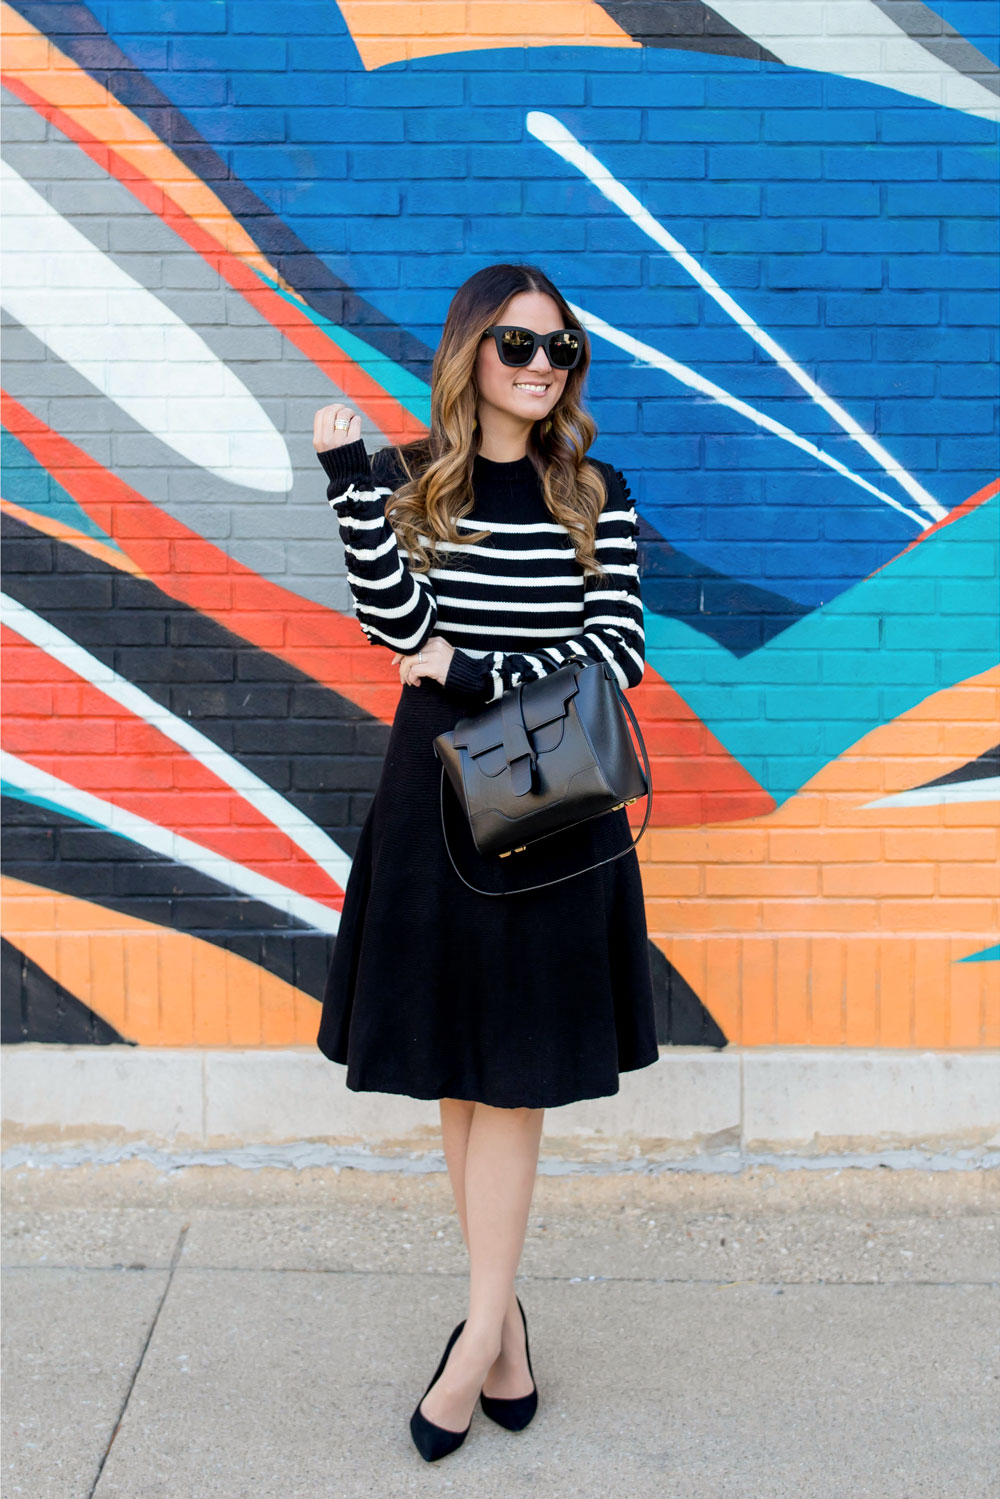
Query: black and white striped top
[514,606]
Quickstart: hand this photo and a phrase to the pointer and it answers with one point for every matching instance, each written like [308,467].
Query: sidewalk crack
[174,1259]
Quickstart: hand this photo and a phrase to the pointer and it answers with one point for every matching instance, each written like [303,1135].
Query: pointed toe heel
[431,1441]
[516,1413]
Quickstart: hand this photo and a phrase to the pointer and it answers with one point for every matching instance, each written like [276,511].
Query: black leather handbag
[547,755]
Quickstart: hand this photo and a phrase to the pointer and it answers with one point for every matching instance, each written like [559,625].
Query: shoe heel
[513,1414]
[431,1441]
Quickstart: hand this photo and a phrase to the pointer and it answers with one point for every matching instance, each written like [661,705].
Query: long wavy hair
[438,488]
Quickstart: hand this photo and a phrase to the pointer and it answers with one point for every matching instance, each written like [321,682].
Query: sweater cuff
[349,461]
[468,676]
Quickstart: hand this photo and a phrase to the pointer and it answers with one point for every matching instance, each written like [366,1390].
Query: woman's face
[530,391]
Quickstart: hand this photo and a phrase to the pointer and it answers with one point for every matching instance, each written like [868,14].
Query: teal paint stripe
[21,794]
[988,955]
[870,655]
[31,486]
[411,392]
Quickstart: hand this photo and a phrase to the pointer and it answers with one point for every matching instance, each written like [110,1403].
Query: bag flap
[542,700]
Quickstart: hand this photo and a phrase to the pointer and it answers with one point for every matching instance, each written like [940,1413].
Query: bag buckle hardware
[519,850]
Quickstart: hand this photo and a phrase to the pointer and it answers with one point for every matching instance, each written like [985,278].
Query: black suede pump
[516,1413]
[433,1441]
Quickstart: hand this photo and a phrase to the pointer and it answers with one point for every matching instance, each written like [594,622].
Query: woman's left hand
[436,653]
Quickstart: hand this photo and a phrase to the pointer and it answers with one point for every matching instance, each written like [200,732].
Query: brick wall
[784,247]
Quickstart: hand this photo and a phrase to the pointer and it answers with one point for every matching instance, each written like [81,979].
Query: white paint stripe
[131,347]
[24,776]
[554,134]
[987,789]
[646,354]
[857,39]
[296,826]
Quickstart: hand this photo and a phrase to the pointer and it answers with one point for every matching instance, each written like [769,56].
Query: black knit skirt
[527,1000]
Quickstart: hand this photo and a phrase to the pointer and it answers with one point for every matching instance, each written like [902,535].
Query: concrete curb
[717,1110]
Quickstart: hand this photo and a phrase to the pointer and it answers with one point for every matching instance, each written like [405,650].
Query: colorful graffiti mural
[781,237]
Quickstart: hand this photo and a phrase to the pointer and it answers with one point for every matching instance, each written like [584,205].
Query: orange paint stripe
[66,726]
[883,974]
[154,986]
[61,531]
[384,32]
[65,94]
[885,902]
[115,138]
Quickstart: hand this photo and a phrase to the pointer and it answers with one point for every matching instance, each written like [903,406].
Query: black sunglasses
[517,345]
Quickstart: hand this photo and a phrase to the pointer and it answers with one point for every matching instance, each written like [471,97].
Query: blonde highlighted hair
[438,488]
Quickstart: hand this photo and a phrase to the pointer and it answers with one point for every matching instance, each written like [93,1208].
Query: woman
[483,556]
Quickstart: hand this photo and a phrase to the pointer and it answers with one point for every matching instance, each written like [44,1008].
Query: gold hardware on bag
[631,800]
[519,850]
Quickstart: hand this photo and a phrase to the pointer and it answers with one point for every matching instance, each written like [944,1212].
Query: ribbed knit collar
[489,468]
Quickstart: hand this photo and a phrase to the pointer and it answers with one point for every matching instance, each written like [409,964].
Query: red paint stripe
[64,725]
[324,644]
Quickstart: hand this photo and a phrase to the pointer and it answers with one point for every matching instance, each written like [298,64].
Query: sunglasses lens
[518,346]
[564,348]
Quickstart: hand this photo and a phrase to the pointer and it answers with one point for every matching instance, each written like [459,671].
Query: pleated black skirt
[528,1000]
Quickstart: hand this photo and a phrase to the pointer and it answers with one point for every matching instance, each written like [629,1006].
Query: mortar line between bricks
[175,1257]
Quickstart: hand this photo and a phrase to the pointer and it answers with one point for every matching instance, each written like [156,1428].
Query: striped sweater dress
[542,997]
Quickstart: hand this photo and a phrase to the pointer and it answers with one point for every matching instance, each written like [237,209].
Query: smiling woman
[484,556]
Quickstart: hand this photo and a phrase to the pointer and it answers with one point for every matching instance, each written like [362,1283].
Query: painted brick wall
[783,243]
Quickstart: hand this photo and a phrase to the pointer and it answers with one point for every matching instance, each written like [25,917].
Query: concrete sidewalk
[213,1331]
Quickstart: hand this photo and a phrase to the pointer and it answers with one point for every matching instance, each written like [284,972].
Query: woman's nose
[539,363]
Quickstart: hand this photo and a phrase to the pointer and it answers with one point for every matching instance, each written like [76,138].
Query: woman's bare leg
[493,1196]
[509,1376]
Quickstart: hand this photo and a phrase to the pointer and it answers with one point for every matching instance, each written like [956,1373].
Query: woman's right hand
[326,435]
